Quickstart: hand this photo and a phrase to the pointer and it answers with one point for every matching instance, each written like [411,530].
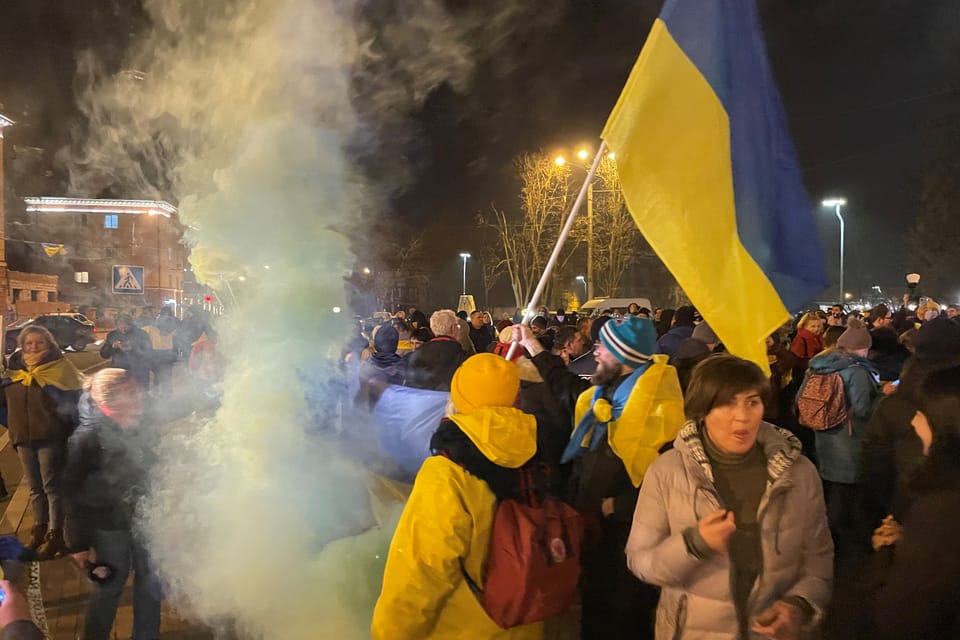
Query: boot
[37,535]
[53,545]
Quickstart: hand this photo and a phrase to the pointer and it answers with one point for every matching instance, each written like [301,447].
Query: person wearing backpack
[620,426]
[442,541]
[839,446]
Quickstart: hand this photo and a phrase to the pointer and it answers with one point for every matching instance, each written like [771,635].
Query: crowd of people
[86,444]
[718,500]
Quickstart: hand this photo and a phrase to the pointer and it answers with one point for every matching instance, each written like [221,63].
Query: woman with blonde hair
[40,393]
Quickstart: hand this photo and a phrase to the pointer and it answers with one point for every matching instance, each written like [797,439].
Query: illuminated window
[111,221]
[83,277]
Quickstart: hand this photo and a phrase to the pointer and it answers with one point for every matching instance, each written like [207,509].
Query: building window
[35,296]
[111,221]
[110,252]
[83,277]
[170,254]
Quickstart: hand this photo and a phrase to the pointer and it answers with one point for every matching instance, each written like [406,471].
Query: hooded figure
[444,531]
[383,367]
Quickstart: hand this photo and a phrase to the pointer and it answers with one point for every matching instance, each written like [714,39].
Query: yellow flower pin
[602,410]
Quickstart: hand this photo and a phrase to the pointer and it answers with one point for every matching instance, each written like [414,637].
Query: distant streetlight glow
[836,203]
[582,154]
[366,271]
[611,156]
[465,256]
[336,309]
[560,161]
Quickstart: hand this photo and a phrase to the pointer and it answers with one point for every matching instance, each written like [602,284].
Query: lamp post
[583,281]
[836,203]
[464,255]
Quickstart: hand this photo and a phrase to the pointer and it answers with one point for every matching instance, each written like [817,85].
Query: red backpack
[533,565]
[822,402]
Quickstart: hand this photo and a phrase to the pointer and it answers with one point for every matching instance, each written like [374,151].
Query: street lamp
[583,281]
[464,255]
[836,203]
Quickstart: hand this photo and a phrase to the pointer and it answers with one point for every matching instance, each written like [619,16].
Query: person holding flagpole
[621,423]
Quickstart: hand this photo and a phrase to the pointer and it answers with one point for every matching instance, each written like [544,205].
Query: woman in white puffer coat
[731,523]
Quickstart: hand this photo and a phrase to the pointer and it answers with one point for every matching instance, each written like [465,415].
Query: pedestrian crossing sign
[127,279]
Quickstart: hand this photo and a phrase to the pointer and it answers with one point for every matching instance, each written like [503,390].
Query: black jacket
[892,453]
[135,358]
[432,366]
[921,591]
[105,476]
[887,354]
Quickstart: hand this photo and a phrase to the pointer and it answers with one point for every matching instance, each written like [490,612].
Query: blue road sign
[127,279]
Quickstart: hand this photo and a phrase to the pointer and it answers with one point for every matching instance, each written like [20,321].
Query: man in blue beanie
[632,410]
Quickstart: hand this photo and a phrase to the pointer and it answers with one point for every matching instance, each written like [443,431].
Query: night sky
[870,88]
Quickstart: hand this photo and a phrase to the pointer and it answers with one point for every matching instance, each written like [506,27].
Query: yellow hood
[506,436]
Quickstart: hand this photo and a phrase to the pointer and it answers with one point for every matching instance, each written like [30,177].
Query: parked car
[73,330]
[597,305]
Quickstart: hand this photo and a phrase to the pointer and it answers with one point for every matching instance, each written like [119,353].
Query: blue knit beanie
[631,340]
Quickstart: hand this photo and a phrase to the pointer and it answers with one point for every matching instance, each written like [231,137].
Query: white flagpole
[571,218]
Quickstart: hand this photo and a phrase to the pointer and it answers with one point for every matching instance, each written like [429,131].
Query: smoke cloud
[252,116]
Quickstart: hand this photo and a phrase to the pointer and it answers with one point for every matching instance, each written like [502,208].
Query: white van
[594,306]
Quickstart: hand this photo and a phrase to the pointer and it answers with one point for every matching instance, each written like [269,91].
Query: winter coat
[695,600]
[805,346]
[670,341]
[688,355]
[887,354]
[482,337]
[922,588]
[839,450]
[42,405]
[105,475]
[445,525]
[135,358]
[432,365]
[892,453]
[21,630]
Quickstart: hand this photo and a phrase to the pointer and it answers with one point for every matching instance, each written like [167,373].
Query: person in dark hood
[682,329]
[109,458]
[691,351]
[383,367]
[887,354]
[162,333]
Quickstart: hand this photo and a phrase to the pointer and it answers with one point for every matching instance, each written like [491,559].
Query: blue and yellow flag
[710,174]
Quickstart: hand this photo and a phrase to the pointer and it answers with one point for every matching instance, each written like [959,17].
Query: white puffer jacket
[696,600]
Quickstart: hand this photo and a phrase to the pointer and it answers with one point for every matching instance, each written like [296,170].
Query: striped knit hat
[632,340]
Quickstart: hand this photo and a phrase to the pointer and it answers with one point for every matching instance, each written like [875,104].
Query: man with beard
[634,409]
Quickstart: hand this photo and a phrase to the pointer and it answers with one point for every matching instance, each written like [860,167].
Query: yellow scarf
[59,373]
[33,359]
[652,417]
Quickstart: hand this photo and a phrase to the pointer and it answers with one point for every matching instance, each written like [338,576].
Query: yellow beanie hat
[484,380]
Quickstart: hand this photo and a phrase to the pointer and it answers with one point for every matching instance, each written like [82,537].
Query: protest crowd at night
[242,399]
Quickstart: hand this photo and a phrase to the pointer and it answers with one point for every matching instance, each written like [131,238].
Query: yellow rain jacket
[448,518]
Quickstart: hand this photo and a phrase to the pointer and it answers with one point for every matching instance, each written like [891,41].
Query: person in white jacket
[731,523]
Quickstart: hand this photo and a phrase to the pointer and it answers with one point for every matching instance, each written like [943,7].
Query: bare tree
[525,244]
[492,268]
[615,234]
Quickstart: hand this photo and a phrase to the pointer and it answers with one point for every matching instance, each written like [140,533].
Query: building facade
[112,254]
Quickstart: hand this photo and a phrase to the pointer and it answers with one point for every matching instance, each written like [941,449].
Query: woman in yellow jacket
[446,523]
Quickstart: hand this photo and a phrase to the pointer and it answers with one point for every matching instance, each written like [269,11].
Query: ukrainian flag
[710,174]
